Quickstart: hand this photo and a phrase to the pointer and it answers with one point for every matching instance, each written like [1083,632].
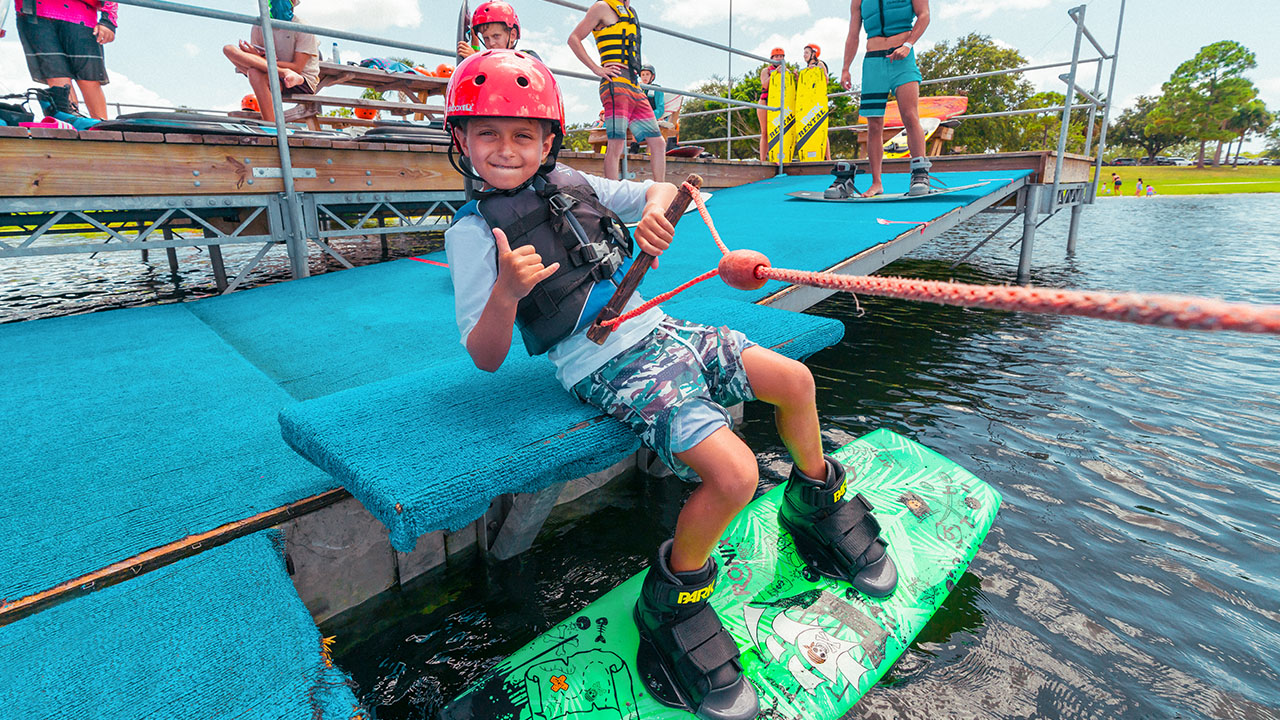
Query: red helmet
[495,11]
[249,103]
[814,47]
[504,83]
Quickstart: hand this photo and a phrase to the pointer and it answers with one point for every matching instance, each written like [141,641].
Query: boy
[893,28]
[616,29]
[542,249]
[496,25]
[297,61]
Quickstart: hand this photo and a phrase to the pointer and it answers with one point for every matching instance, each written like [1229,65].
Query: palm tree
[1252,117]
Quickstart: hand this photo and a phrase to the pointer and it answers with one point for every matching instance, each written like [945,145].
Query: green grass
[1190,181]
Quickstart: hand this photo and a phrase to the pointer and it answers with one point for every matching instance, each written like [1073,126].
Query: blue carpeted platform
[428,450]
[128,430]
[222,634]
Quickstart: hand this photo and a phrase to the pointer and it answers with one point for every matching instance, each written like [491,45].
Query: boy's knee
[736,476]
[230,51]
[799,381]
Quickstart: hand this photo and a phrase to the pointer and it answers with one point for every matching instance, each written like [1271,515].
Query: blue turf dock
[133,430]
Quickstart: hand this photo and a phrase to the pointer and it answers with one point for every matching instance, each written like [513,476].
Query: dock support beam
[1030,216]
[1076,210]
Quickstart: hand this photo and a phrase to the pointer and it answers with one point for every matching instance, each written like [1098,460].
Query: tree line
[1206,102]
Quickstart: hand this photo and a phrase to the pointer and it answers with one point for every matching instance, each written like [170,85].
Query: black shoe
[836,537]
[687,659]
[843,186]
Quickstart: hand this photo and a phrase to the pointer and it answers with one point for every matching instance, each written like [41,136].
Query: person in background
[811,53]
[494,26]
[1115,179]
[297,60]
[63,41]
[893,28]
[762,115]
[1151,191]
[657,100]
[616,29]
[1139,193]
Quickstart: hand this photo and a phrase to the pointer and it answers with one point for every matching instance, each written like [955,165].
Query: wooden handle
[598,333]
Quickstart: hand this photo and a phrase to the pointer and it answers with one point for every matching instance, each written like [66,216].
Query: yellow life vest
[619,43]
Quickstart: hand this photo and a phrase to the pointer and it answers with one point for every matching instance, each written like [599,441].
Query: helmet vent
[522,81]
[480,79]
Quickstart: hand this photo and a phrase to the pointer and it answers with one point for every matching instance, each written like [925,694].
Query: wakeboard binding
[920,181]
[837,537]
[843,186]
[686,658]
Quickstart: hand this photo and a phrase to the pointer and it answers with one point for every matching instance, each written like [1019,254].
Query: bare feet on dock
[874,190]
[291,79]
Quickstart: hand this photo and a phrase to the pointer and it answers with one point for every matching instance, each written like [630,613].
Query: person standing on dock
[297,60]
[812,53]
[778,56]
[616,29]
[543,248]
[63,41]
[893,29]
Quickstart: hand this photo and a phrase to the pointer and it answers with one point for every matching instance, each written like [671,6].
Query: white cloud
[365,14]
[1269,92]
[687,13]
[191,49]
[829,34]
[980,9]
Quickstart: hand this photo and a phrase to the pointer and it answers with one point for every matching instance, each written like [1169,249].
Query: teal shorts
[880,76]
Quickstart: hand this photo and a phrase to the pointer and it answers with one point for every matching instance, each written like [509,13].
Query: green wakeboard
[811,646]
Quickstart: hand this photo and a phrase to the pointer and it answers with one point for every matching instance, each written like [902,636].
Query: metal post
[1106,111]
[728,123]
[782,117]
[1077,14]
[1031,201]
[1076,211]
[1093,110]
[294,241]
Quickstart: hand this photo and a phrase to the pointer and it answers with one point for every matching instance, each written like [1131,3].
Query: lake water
[1133,571]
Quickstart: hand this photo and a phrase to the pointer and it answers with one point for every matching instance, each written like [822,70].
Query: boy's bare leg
[94,99]
[658,157]
[764,132]
[788,386]
[729,475]
[262,90]
[875,154]
[613,157]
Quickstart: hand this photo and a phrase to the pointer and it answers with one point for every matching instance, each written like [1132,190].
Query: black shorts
[60,49]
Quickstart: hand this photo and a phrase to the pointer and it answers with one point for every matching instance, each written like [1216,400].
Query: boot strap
[704,645]
[818,496]
[851,529]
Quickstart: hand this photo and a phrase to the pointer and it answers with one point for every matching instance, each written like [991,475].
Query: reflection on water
[1134,570]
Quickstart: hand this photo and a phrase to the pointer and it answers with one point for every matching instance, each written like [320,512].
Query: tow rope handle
[598,333]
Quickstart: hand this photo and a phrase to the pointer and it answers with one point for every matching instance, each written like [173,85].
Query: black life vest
[561,217]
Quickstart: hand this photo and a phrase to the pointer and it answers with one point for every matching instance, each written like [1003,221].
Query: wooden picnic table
[416,86]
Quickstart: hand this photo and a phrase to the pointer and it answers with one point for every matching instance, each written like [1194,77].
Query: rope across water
[745,269]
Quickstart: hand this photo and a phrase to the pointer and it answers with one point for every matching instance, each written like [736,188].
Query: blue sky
[165,59]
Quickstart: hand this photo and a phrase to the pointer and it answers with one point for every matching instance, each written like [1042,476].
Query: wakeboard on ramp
[812,646]
[883,197]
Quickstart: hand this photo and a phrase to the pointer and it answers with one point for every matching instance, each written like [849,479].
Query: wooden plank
[144,137]
[107,135]
[184,138]
[53,133]
[394,107]
[116,573]
[56,168]
[13,132]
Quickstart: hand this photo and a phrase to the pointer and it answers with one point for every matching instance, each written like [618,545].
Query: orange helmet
[814,47]
[444,70]
[249,103]
[776,51]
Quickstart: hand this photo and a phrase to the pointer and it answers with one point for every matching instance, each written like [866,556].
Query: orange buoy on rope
[740,269]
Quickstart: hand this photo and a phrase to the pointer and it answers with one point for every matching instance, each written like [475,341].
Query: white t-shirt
[473,265]
[288,44]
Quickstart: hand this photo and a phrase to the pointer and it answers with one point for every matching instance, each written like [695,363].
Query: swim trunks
[672,386]
[60,49]
[625,105]
[880,76]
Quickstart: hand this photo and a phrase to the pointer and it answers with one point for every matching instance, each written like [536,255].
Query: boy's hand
[465,50]
[519,270]
[654,233]
[246,46]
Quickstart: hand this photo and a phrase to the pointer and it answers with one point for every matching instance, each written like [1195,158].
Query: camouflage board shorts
[672,386]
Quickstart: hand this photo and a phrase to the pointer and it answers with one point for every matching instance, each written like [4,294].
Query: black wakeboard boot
[837,537]
[687,659]
[921,183]
[842,187]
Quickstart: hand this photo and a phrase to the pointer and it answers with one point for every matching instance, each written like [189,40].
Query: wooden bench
[415,89]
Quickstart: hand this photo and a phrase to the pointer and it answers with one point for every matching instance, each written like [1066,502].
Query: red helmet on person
[504,83]
[495,11]
[776,51]
[817,51]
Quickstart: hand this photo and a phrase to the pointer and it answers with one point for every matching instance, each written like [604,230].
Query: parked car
[1124,161]
[1179,161]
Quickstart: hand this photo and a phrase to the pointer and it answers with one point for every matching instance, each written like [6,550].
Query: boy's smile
[506,151]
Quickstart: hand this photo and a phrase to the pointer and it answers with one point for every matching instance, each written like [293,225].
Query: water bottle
[335,59]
